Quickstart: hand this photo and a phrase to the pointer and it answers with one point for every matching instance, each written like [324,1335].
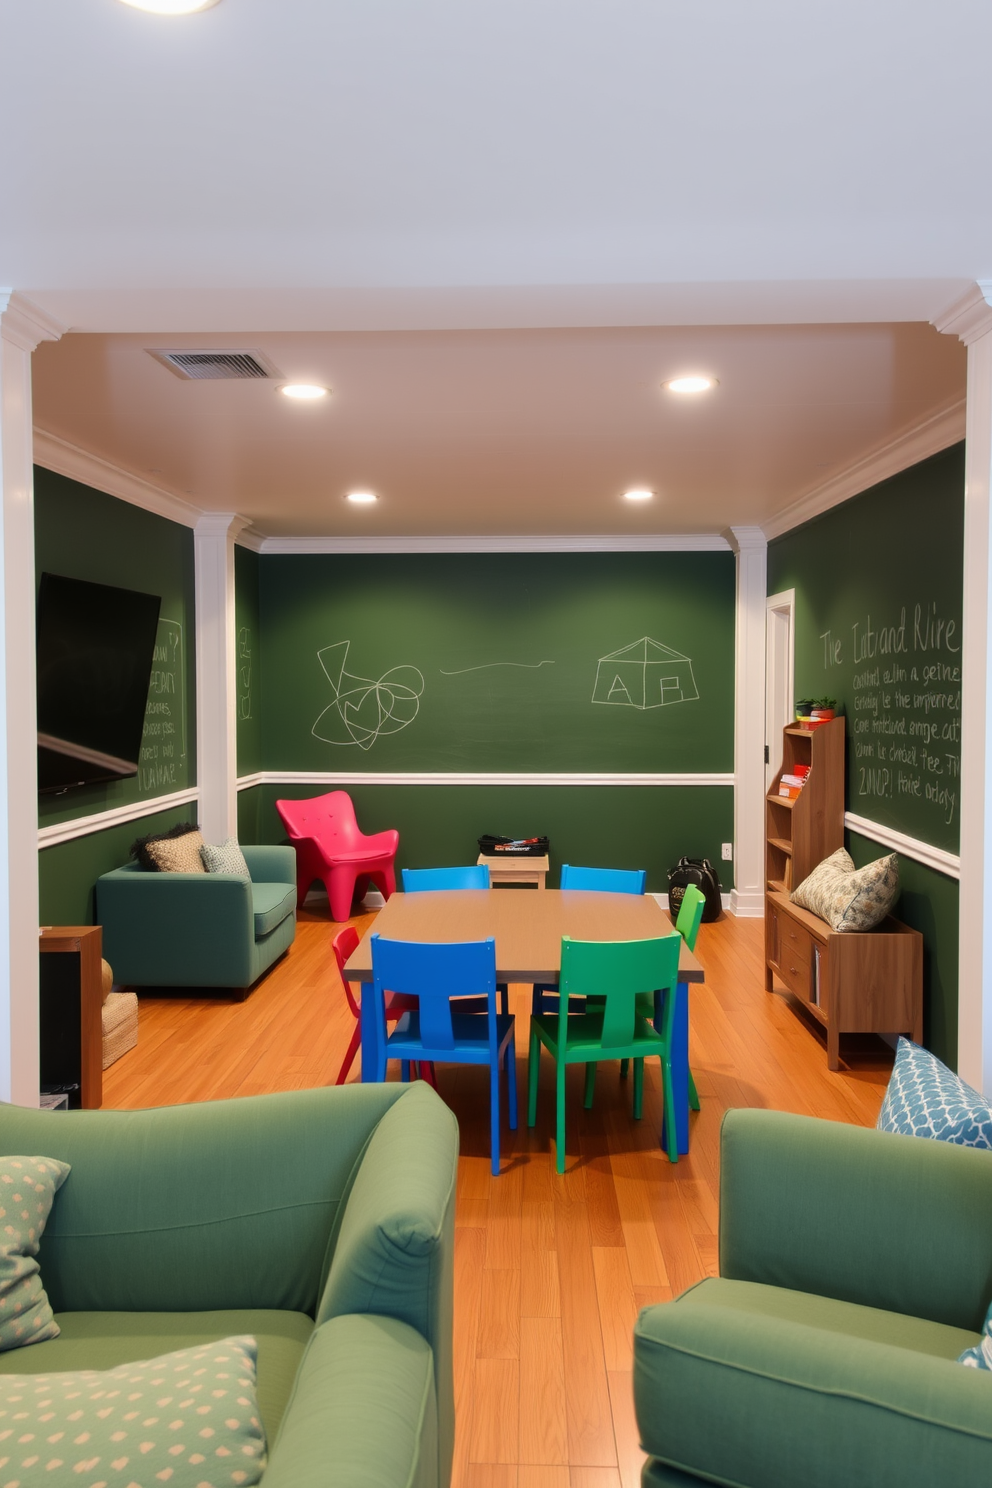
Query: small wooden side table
[72,1010]
[505,870]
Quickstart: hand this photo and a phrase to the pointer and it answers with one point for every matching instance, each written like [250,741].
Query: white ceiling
[574,177]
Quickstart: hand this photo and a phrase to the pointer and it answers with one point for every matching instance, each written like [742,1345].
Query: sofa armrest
[393,1253]
[363,1412]
[163,929]
[270,864]
[900,1223]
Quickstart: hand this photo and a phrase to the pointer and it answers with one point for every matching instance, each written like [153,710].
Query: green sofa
[198,929]
[320,1221]
[855,1266]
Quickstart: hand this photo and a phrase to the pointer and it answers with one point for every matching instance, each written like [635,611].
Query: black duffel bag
[698,871]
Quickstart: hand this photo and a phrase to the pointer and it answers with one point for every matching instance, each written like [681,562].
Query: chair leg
[533,1069]
[510,1056]
[340,883]
[494,1117]
[693,1097]
[624,1067]
[560,1115]
[590,1086]
[387,876]
[670,1133]
[405,1070]
[638,1089]
[353,1048]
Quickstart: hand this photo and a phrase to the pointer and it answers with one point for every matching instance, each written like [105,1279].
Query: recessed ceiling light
[361,498]
[639,493]
[694,383]
[304,392]
[171,7]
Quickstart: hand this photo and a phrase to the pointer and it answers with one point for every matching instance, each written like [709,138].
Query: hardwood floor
[550,1271]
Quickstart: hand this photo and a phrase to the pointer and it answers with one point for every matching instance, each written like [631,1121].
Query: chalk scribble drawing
[529,666]
[362,710]
[644,675]
[244,672]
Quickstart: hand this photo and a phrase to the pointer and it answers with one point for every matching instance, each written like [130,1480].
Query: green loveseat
[855,1266]
[320,1221]
[198,929]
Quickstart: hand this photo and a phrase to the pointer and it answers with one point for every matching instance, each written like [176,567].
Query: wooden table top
[528,927]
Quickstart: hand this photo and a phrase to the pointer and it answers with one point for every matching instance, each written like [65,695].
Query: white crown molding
[938,432]
[99,821]
[744,539]
[611,542]
[423,777]
[911,847]
[970,316]
[25,323]
[92,470]
[220,524]
[250,537]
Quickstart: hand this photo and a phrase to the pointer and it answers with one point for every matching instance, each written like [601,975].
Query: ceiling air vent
[230,365]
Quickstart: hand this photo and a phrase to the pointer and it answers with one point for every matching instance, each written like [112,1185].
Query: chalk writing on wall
[244,673]
[904,708]
[163,765]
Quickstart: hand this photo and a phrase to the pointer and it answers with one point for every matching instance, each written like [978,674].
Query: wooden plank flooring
[550,1271]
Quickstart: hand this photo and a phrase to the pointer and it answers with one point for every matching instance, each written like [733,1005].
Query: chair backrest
[327,819]
[418,880]
[617,971]
[690,915]
[342,945]
[434,972]
[604,880]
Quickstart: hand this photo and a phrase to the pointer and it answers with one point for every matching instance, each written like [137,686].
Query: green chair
[617,972]
[855,1267]
[687,924]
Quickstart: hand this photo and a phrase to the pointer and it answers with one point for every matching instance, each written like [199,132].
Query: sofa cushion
[225,857]
[856,1395]
[926,1099]
[186,1418]
[850,898]
[103,1340]
[271,902]
[27,1187]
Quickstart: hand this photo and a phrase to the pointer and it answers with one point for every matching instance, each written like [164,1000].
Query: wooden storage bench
[867,981]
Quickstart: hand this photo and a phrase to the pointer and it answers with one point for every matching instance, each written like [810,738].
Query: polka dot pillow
[27,1187]
[926,1099]
[185,1420]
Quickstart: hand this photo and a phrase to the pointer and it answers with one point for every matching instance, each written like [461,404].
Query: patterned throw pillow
[178,854]
[142,847]
[188,1419]
[850,898]
[980,1357]
[27,1188]
[227,858]
[926,1099]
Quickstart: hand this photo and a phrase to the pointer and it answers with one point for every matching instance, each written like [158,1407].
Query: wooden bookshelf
[802,832]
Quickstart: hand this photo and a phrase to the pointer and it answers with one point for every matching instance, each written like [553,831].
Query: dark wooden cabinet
[71,1010]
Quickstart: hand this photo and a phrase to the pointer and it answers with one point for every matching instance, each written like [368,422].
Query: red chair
[330,847]
[396,1005]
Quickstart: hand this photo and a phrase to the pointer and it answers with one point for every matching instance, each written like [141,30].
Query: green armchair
[855,1267]
[198,929]
[320,1221]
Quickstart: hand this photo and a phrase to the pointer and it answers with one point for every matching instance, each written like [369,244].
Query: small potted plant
[823,709]
[804,707]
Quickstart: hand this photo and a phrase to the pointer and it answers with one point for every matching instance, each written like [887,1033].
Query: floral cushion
[926,1099]
[225,858]
[850,898]
[27,1187]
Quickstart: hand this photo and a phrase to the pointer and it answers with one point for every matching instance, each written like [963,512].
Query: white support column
[22,326]
[751,547]
[216,674]
[971,319]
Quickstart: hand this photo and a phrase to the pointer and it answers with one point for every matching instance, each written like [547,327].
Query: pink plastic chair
[396,1005]
[330,847]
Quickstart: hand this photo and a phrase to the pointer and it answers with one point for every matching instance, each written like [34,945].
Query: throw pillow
[140,847]
[27,1188]
[177,854]
[227,858]
[850,898]
[926,1099]
[187,1419]
[980,1357]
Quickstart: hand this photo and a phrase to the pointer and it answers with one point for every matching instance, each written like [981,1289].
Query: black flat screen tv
[96,645]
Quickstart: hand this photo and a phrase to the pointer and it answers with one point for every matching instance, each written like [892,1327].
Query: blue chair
[420,880]
[597,880]
[439,1030]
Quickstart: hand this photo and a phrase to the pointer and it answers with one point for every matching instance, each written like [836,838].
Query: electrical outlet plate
[728,852]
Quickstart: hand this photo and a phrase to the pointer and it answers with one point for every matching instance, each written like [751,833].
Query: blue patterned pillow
[925,1099]
[980,1357]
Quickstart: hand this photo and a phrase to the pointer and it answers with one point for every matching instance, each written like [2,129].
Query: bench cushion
[271,903]
[102,1340]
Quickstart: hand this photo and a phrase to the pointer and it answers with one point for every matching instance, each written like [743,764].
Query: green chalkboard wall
[248,661]
[878,585]
[616,662]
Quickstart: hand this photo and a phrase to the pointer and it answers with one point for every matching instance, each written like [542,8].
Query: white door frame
[780,673]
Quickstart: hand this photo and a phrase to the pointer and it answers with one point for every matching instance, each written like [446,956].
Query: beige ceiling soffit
[650,542]
[91,470]
[935,433]
[969,317]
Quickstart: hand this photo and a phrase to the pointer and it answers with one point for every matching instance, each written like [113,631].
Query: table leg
[370,1035]
[679,1054]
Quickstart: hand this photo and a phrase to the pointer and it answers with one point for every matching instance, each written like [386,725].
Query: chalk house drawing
[363,710]
[643,675]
